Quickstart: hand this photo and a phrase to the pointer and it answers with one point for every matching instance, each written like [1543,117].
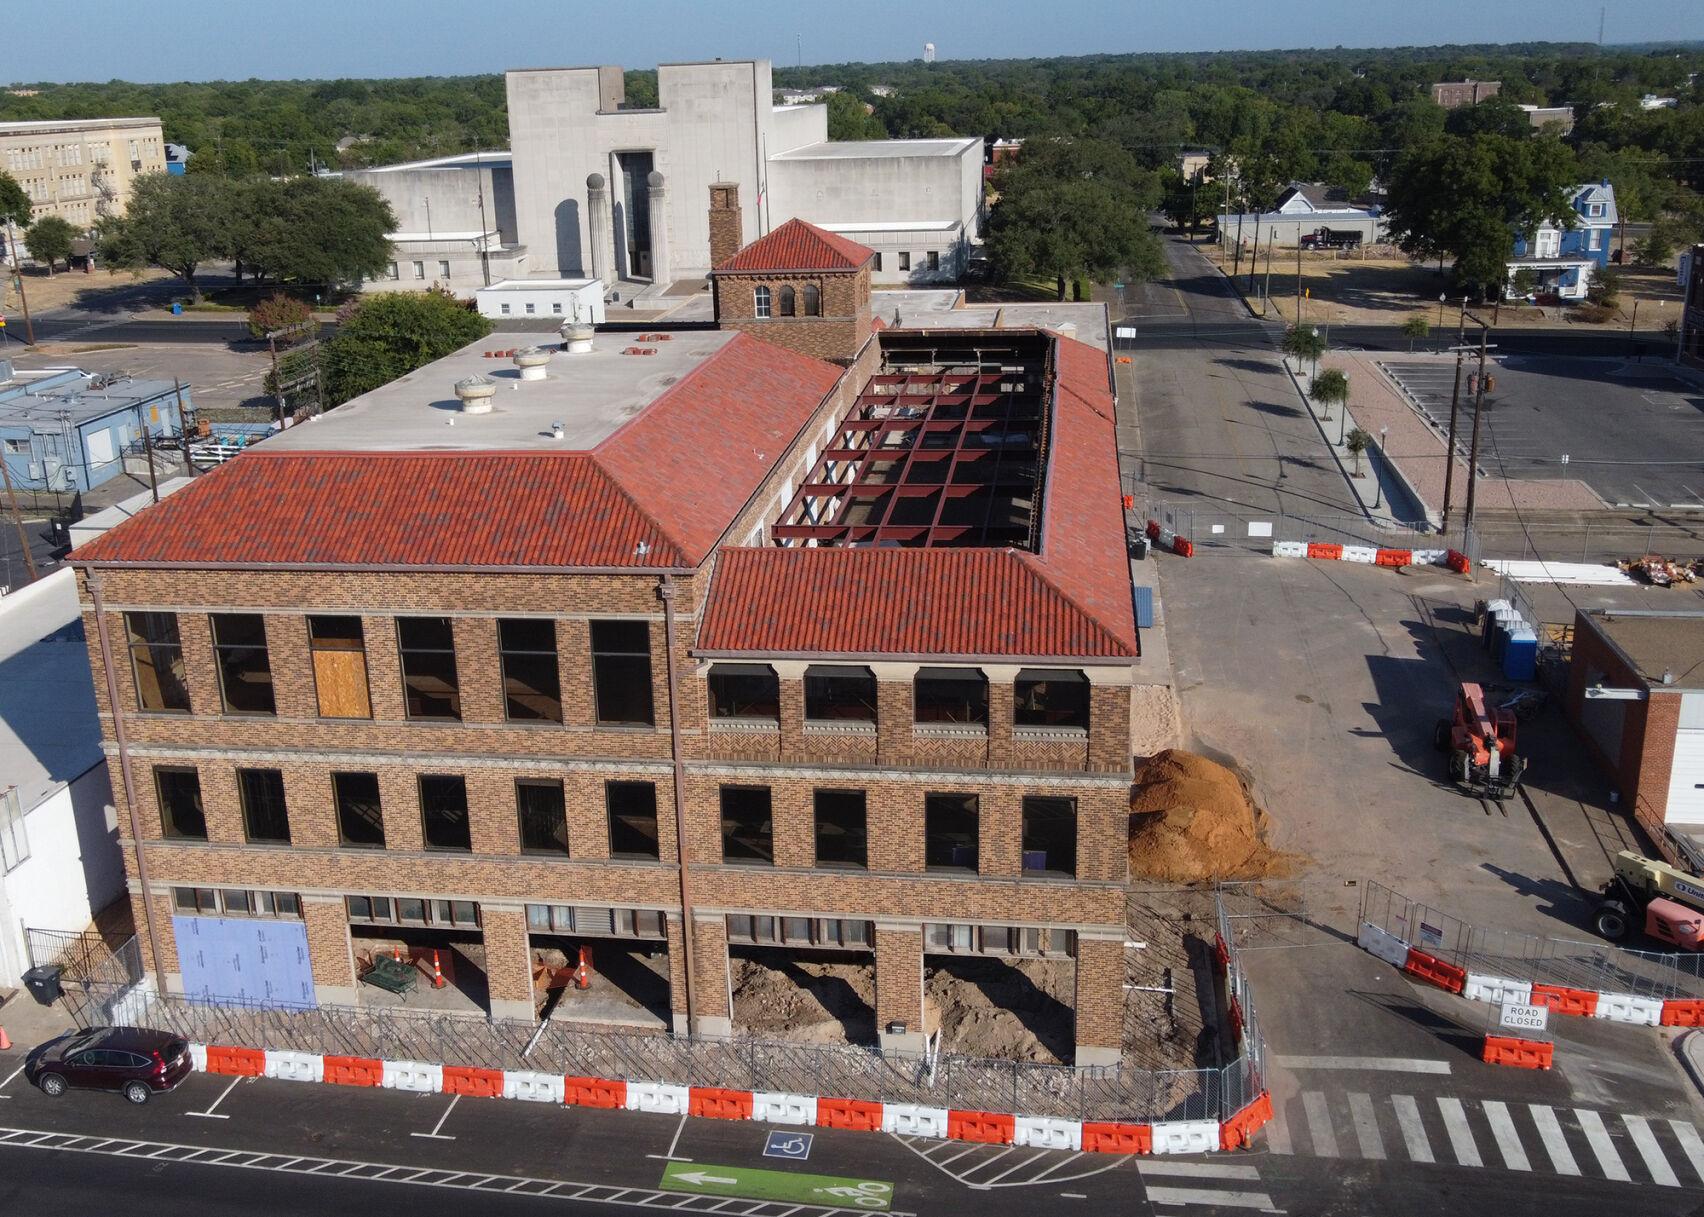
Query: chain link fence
[1567,963]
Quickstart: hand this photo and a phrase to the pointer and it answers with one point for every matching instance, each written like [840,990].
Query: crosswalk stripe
[1319,1124]
[1278,1131]
[1646,1141]
[1461,1136]
[1198,1170]
[1192,1195]
[1555,1144]
[1690,1144]
[1366,1126]
[1508,1140]
[1413,1131]
[1597,1136]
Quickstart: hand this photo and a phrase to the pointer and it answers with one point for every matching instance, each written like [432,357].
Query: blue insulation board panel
[1144,597]
[226,959]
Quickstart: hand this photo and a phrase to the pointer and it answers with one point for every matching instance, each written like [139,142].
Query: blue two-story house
[1561,259]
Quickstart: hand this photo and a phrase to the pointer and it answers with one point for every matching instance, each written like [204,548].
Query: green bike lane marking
[753,1184]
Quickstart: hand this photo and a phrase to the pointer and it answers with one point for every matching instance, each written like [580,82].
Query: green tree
[176,223]
[389,334]
[1303,342]
[1604,287]
[1466,196]
[1074,208]
[1416,327]
[1330,388]
[849,119]
[1358,441]
[1187,202]
[49,240]
[15,206]
[324,230]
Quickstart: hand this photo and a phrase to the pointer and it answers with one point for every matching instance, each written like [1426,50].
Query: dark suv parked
[134,1061]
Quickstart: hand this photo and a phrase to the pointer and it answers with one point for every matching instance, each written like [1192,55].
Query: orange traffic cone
[583,973]
[5,1044]
[437,973]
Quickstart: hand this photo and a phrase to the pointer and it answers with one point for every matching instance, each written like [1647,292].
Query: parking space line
[969,1149]
[670,1156]
[209,1114]
[1063,1162]
[435,1135]
[8,1081]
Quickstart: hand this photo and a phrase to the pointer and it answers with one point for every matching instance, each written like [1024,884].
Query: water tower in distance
[928,52]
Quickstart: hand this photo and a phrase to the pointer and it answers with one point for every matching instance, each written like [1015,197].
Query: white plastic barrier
[198,1057]
[534,1087]
[295,1066]
[1360,553]
[1498,990]
[1386,946]
[1045,1132]
[911,1120]
[1428,557]
[1186,1137]
[1289,549]
[770,1107]
[412,1075]
[663,1098]
[1623,1008]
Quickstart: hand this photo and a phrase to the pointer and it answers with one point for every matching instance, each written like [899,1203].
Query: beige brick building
[81,169]
[697,645]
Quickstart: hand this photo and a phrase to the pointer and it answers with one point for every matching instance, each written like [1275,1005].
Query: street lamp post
[1632,324]
[1440,310]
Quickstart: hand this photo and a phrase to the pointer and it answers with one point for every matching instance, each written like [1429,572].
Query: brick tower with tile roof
[800,287]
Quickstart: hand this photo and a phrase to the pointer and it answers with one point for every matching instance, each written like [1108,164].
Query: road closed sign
[1512,1016]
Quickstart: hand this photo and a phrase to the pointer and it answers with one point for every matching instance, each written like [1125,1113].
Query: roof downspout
[93,581]
[666,593]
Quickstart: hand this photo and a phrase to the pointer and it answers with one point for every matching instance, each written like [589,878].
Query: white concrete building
[455,222]
[59,857]
[607,192]
[561,299]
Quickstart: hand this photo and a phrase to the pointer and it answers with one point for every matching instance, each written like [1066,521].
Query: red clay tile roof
[674,477]
[797,245]
[1071,599]
[895,602]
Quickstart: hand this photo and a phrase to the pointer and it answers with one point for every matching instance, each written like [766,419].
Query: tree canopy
[389,334]
[176,223]
[49,240]
[14,202]
[321,230]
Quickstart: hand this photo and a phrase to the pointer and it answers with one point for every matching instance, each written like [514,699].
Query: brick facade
[1643,764]
[836,335]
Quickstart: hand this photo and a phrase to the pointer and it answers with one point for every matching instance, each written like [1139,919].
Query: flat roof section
[877,149]
[1656,643]
[74,397]
[50,730]
[592,395]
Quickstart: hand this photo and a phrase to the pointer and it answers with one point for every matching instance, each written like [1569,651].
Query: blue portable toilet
[1520,658]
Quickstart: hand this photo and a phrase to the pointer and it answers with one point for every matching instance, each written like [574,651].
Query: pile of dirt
[1018,1010]
[1192,819]
[823,1002]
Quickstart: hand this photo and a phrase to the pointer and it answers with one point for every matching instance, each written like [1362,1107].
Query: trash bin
[177,309]
[1138,546]
[43,983]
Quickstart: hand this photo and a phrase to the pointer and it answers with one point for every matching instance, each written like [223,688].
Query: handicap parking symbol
[795,1145]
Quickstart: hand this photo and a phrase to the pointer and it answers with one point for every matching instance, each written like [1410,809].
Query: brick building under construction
[798,632]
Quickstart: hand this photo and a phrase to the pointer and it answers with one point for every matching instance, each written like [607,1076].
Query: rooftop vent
[532,362]
[475,394]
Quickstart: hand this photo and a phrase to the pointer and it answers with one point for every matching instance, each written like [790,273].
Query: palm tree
[1330,387]
[1358,442]
[1304,342]
[1415,327]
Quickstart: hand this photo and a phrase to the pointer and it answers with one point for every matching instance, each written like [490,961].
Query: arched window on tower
[786,302]
[760,302]
[813,300]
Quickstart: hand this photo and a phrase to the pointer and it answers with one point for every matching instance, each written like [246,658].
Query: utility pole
[1254,258]
[18,517]
[1455,402]
[1266,292]
[148,451]
[1298,276]
[18,282]
[1473,448]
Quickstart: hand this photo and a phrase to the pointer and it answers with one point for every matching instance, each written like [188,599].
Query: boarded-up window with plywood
[340,667]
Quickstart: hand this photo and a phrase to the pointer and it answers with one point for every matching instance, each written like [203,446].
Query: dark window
[340,666]
[428,649]
[245,674]
[744,690]
[532,687]
[443,813]
[934,259]
[265,817]
[544,816]
[785,302]
[621,673]
[842,838]
[949,831]
[812,300]
[760,302]
[905,260]
[877,264]
[748,831]
[360,820]
[180,803]
[1046,698]
[840,693]
[1050,836]
[632,819]
[156,658]
[951,695]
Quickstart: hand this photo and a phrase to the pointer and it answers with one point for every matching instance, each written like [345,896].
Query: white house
[59,856]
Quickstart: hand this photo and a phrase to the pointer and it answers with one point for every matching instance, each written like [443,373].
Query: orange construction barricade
[239,1062]
[858,1114]
[594,1092]
[987,1127]
[719,1104]
[354,1071]
[475,1083]
[1118,1138]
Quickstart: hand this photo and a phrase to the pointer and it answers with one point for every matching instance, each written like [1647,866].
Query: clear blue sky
[157,40]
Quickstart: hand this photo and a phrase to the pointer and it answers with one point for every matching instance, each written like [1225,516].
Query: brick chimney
[727,233]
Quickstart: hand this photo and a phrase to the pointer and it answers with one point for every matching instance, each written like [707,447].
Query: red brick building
[697,644]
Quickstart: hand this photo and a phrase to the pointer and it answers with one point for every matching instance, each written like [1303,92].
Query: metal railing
[1594,966]
[1213,526]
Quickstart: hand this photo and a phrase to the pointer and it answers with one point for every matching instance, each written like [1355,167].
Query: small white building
[59,856]
[562,299]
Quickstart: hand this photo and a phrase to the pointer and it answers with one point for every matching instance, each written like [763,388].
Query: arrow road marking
[700,1178]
